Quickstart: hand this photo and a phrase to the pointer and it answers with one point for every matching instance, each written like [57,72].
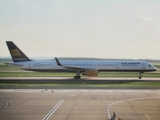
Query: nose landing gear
[140,75]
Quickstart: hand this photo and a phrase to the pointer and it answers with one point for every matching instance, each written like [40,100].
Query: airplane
[87,68]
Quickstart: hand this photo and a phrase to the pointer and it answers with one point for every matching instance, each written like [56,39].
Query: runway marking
[53,110]
[147,117]
[6,104]
[108,109]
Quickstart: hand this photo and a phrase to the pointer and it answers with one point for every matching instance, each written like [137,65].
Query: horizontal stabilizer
[13,64]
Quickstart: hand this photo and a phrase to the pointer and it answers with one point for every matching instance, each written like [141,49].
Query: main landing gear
[140,75]
[77,75]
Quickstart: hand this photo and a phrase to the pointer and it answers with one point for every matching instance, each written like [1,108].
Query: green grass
[130,84]
[35,74]
[64,74]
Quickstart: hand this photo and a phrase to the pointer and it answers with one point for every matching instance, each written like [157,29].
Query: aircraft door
[117,66]
[29,65]
[143,66]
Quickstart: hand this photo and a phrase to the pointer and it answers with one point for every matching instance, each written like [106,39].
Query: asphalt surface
[77,103]
[70,83]
[73,104]
[83,78]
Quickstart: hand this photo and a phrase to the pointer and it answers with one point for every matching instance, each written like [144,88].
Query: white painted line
[6,104]
[53,110]
[147,117]
[143,98]
[108,109]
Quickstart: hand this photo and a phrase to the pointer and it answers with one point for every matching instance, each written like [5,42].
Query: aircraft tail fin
[16,53]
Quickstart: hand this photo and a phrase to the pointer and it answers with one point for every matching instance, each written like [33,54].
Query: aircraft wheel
[140,75]
[77,77]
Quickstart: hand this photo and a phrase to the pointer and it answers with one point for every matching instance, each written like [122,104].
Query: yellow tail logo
[15,53]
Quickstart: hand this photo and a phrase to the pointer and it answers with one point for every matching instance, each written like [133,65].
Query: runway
[83,78]
[70,83]
[73,104]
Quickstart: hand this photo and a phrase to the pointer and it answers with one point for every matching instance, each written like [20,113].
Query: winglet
[57,61]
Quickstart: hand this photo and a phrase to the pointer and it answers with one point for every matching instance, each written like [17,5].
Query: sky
[122,29]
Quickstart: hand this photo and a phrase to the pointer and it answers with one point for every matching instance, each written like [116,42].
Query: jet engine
[91,73]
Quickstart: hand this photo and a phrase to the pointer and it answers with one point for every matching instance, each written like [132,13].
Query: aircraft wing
[73,67]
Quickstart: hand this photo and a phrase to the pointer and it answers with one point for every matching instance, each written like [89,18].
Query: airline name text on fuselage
[130,63]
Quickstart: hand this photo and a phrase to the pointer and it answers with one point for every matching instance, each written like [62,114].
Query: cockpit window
[149,65]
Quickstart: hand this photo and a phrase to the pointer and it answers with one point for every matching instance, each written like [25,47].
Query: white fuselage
[117,66]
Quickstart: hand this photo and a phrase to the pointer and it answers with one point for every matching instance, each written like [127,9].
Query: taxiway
[73,104]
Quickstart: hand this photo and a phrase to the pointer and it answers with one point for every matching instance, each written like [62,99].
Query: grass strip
[130,84]
[64,74]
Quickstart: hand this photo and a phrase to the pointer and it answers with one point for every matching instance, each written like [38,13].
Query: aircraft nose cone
[155,68]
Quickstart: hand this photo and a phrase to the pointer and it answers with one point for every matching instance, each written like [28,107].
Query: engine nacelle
[91,73]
